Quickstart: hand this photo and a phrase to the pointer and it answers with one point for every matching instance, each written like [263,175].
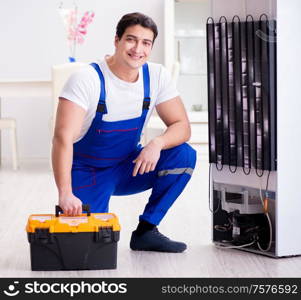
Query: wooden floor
[31,190]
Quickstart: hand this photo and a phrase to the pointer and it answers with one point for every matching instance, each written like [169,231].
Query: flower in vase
[76,31]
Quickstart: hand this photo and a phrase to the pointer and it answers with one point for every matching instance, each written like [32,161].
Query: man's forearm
[62,153]
[175,134]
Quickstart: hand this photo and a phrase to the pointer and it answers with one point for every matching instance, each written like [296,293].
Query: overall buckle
[101,108]
[146,103]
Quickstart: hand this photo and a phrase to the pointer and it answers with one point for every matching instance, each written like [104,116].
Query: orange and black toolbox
[85,242]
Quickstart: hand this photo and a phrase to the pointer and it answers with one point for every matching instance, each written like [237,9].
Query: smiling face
[134,47]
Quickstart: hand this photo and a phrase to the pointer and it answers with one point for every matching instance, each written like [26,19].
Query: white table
[20,88]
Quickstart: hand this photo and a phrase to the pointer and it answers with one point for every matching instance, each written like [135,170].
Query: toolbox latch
[104,235]
[42,235]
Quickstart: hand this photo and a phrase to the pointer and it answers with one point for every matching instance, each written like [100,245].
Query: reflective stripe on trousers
[175,171]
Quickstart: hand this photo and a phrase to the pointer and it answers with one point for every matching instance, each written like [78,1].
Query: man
[100,117]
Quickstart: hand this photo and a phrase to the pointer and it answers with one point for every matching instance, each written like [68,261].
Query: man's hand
[70,204]
[148,157]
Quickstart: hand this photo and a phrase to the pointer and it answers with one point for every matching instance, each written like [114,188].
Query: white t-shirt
[123,99]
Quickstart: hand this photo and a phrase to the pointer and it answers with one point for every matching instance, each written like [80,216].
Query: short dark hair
[136,19]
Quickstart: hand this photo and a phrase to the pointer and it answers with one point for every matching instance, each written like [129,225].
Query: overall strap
[146,87]
[146,99]
[101,107]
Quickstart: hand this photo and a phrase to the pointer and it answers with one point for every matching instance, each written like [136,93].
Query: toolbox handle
[85,207]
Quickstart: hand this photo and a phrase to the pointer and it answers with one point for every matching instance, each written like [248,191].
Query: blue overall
[103,162]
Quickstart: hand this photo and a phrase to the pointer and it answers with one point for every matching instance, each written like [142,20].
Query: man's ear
[116,40]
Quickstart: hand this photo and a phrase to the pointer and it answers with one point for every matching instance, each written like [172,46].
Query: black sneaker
[153,240]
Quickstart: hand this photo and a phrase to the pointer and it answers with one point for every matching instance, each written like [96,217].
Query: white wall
[30,104]
[190,20]
[33,38]
[242,8]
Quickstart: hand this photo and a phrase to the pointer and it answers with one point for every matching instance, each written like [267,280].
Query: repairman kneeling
[102,111]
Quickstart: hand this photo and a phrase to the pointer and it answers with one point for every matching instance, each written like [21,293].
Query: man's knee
[181,156]
[189,154]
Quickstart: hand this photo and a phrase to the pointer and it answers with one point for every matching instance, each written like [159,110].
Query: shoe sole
[136,249]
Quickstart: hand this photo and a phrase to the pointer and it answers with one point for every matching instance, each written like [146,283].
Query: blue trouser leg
[94,186]
[172,173]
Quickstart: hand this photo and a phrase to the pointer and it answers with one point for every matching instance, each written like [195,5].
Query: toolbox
[84,242]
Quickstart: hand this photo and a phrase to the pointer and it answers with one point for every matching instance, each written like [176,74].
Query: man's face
[134,47]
